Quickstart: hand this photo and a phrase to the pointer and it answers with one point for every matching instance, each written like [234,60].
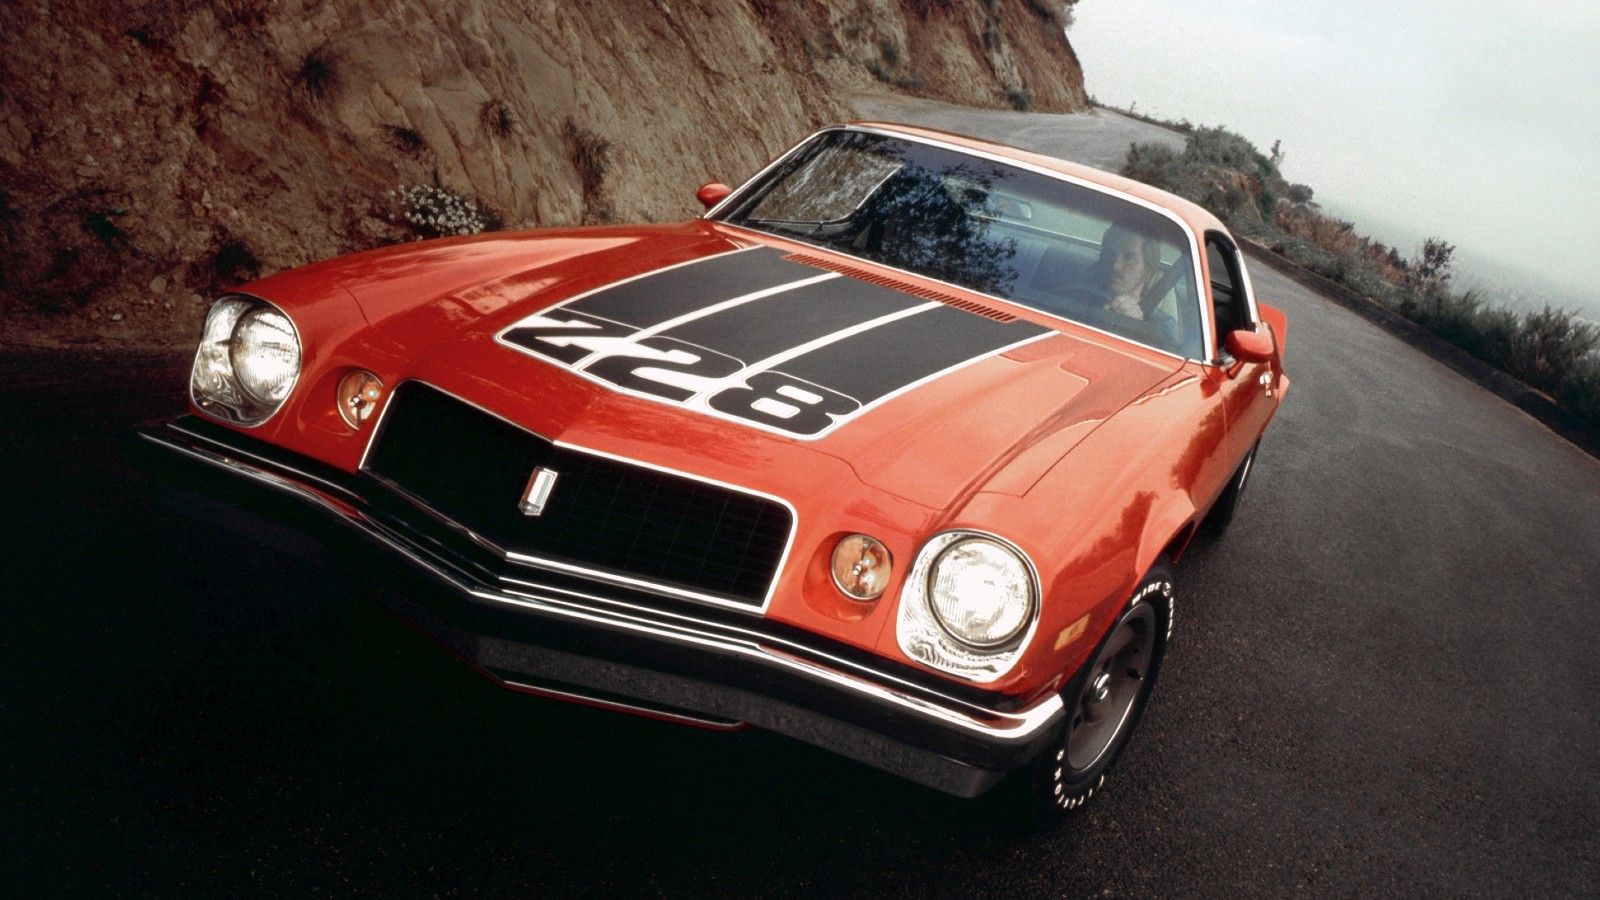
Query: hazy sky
[1476,122]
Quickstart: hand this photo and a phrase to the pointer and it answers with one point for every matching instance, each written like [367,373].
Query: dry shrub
[590,155]
[62,253]
[1341,239]
[1048,10]
[233,262]
[406,140]
[923,7]
[591,158]
[318,76]
[496,116]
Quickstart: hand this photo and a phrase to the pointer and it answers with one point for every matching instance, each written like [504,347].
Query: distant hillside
[1498,282]
[150,157]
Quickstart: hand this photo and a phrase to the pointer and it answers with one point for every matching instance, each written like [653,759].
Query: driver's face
[1128,275]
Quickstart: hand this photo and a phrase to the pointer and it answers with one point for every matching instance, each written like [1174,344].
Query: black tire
[1105,701]
[1222,511]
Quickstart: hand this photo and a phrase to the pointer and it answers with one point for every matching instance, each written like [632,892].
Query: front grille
[603,516]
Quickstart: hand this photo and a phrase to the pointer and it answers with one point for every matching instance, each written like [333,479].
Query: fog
[1475,122]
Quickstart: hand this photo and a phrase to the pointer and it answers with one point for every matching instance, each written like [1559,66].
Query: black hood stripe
[755,331]
[879,362]
[756,338]
[660,296]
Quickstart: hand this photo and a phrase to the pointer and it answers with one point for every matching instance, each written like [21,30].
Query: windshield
[1039,241]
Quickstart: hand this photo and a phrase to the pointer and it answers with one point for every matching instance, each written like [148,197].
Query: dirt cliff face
[153,155]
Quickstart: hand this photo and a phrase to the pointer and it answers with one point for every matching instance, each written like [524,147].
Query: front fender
[1167,528]
[1101,517]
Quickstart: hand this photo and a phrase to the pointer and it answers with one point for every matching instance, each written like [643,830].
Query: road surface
[1098,139]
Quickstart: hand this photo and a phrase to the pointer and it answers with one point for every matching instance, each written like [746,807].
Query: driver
[1129,264]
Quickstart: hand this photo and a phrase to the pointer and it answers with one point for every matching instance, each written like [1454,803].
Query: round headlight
[981,592]
[265,355]
[861,567]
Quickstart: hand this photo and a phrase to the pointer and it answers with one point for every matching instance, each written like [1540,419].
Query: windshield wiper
[797,226]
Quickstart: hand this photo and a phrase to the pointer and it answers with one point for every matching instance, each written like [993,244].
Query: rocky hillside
[152,156]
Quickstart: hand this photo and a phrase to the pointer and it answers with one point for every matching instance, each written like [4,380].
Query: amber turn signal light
[359,393]
[861,567]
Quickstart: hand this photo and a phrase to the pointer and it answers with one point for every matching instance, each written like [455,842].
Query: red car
[892,451]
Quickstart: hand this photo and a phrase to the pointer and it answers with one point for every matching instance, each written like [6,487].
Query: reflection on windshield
[1039,241]
[830,189]
[932,222]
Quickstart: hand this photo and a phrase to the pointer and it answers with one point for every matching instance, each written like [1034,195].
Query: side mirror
[1250,346]
[712,193]
[1279,323]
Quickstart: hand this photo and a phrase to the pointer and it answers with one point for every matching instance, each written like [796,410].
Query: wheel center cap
[1100,689]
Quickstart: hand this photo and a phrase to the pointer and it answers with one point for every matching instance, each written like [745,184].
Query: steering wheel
[1084,297]
[1092,306]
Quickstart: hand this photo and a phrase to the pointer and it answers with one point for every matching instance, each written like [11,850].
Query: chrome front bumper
[562,636]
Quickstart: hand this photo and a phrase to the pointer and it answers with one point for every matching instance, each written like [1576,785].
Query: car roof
[1196,216]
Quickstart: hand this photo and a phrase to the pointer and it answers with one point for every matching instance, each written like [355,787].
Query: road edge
[1507,388]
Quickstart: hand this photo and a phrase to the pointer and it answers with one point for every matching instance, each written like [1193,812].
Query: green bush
[1458,318]
[1580,392]
[1152,163]
[1158,165]
[1222,148]
[1217,169]
[1543,348]
[1547,345]
[1491,335]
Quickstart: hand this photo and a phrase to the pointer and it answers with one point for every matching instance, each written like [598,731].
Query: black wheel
[1222,511]
[1105,700]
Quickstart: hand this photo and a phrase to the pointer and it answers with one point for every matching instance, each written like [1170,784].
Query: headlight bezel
[922,634]
[225,398]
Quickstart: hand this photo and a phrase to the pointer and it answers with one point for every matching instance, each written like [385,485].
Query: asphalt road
[1384,681]
[1098,139]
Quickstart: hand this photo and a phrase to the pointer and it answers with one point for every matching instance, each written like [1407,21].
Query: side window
[1231,310]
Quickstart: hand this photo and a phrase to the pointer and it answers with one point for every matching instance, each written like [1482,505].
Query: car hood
[711,349]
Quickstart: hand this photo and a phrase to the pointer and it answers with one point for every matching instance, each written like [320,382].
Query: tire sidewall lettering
[1066,791]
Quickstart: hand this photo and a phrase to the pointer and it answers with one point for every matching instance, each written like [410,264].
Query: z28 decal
[752,337]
